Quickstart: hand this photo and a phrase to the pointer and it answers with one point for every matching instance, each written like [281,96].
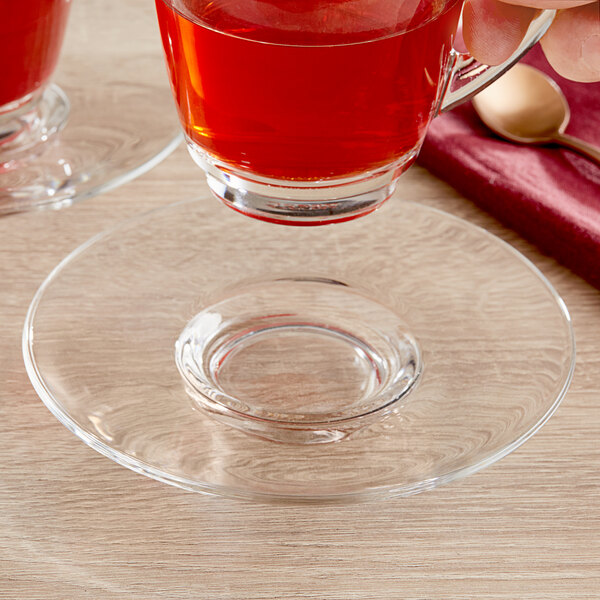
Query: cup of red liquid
[31,36]
[308,111]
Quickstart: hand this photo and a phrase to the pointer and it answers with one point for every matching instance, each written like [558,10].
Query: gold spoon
[527,107]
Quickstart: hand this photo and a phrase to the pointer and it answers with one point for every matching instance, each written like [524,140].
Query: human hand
[492,30]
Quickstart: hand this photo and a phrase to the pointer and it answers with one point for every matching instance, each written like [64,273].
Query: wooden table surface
[74,525]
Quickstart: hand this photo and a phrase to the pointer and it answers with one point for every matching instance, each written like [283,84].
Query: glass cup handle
[467,76]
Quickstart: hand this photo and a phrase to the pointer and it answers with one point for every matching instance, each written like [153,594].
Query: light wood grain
[74,525]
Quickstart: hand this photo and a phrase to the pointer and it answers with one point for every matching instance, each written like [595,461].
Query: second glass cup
[74,127]
[31,36]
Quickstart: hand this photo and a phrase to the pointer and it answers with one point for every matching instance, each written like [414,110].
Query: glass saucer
[495,339]
[113,106]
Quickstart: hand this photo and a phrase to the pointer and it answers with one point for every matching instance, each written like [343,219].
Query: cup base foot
[31,125]
[301,202]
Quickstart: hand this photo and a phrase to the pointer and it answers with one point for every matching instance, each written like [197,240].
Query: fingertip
[493,30]
[572,44]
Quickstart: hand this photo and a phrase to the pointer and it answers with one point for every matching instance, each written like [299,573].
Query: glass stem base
[25,125]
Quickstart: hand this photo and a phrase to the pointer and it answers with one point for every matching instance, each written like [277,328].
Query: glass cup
[31,36]
[308,111]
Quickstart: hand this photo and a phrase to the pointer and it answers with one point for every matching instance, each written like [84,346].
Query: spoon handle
[573,143]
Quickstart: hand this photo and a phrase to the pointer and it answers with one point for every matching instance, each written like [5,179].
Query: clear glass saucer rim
[369,494]
[108,185]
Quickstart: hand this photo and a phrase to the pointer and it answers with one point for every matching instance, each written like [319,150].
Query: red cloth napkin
[549,195]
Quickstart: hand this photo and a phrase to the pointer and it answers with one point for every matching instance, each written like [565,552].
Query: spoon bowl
[527,107]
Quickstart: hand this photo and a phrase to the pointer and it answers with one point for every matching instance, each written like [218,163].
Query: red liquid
[307,89]
[31,33]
